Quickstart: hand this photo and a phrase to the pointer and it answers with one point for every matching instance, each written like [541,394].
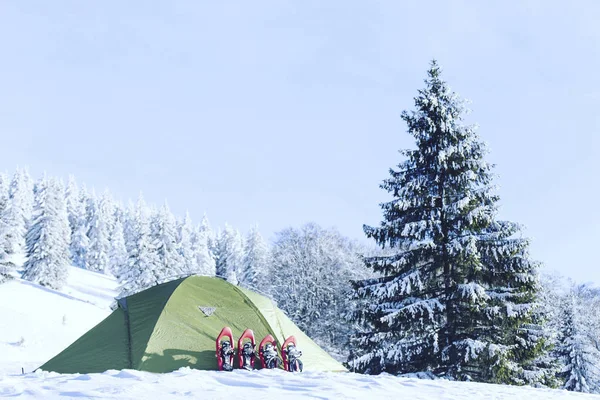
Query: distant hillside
[36,322]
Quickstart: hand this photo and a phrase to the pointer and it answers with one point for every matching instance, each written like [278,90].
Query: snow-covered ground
[265,384]
[36,323]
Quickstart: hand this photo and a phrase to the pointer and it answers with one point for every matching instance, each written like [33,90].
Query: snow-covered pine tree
[576,348]
[205,259]
[28,196]
[215,248]
[538,364]
[230,254]
[211,237]
[460,286]
[63,217]
[48,237]
[99,214]
[76,208]
[570,350]
[4,185]
[73,203]
[91,206]
[164,232]
[240,242]
[18,212]
[6,265]
[542,366]
[129,227]
[118,215]
[184,244]
[118,257]
[113,211]
[143,258]
[255,264]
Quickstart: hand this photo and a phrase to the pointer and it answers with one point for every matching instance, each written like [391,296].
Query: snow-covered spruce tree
[48,237]
[63,216]
[6,265]
[576,347]
[118,257]
[212,237]
[185,231]
[73,203]
[28,195]
[129,232]
[570,350]
[207,264]
[18,213]
[542,367]
[143,258]
[4,185]
[113,211]
[91,211]
[205,259]
[76,208]
[99,214]
[164,233]
[256,262]
[538,366]
[230,254]
[118,214]
[215,249]
[456,297]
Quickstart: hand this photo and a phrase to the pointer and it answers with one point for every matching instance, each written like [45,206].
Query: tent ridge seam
[259,313]
[129,347]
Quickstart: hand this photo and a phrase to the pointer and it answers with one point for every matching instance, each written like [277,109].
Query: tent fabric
[163,328]
[102,348]
[283,327]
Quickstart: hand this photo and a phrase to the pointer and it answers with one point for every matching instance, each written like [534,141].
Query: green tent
[170,325]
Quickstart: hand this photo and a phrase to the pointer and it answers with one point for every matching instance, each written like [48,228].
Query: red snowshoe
[267,352]
[246,351]
[291,355]
[225,350]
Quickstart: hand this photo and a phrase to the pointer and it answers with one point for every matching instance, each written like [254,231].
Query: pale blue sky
[284,112]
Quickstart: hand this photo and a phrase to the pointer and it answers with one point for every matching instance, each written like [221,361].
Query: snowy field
[36,323]
[266,384]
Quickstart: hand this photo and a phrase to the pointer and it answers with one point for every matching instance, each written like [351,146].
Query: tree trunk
[449,326]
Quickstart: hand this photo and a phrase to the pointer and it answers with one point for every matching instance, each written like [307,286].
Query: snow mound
[37,323]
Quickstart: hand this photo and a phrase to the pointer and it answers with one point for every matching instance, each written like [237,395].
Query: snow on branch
[472,291]
[417,309]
